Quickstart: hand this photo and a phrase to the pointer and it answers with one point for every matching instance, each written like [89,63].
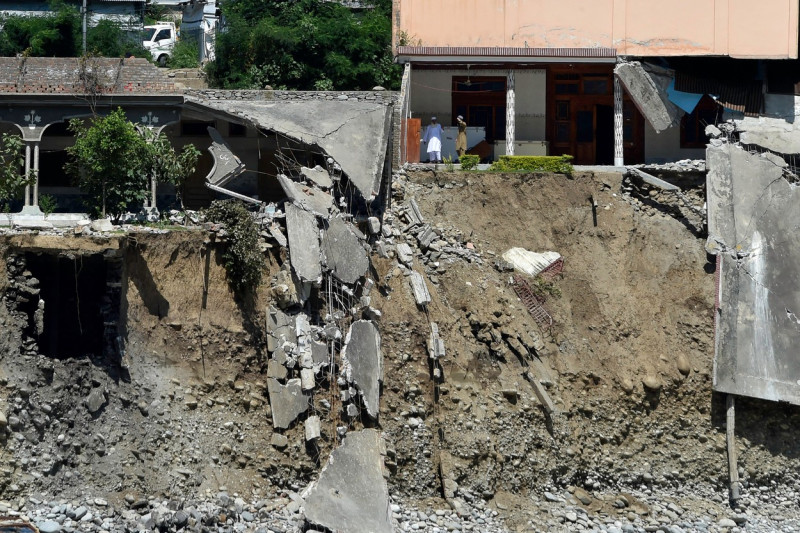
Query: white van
[159,40]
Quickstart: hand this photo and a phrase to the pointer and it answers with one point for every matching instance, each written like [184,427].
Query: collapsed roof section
[354,133]
[647,86]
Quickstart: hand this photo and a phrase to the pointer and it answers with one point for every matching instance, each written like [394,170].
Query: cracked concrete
[647,86]
[354,133]
[753,214]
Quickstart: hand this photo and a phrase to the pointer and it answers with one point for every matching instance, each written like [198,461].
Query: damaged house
[247,138]
[607,82]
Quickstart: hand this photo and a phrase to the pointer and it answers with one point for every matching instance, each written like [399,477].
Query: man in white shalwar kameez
[433,137]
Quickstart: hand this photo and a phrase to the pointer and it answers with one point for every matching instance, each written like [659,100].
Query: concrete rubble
[343,252]
[363,363]
[288,401]
[435,343]
[647,86]
[351,493]
[308,198]
[304,244]
[318,175]
[530,263]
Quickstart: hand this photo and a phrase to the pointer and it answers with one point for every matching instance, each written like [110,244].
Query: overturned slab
[752,219]
[530,263]
[351,494]
[363,363]
[304,252]
[287,402]
[280,328]
[226,166]
[647,86]
[344,254]
[354,133]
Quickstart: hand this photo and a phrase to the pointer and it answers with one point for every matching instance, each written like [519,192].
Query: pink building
[538,76]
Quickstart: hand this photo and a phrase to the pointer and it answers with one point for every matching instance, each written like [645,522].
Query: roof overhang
[504,54]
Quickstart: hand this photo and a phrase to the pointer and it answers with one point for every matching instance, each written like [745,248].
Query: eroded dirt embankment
[628,362]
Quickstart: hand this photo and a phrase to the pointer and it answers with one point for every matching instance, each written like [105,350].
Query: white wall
[666,146]
[430,94]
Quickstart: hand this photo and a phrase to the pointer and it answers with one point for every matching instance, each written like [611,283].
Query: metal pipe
[84,12]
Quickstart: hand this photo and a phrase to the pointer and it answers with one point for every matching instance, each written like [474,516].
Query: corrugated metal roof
[507,51]
[745,96]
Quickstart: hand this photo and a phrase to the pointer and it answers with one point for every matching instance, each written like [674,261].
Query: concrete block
[405,254]
[363,363]
[647,87]
[435,343]
[309,199]
[312,427]
[344,254]
[304,250]
[421,294]
[317,175]
[374,225]
[287,402]
[307,379]
[351,493]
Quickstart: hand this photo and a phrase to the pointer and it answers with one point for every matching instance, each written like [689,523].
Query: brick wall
[387,97]
[71,75]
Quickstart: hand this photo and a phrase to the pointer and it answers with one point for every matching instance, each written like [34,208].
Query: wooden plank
[413,128]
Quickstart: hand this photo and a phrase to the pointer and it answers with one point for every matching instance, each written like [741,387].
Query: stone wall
[72,75]
[388,97]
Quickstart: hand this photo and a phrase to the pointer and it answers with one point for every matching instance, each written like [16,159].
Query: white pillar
[510,114]
[619,160]
[27,171]
[153,185]
[35,199]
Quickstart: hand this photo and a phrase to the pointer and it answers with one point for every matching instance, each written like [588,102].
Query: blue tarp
[686,101]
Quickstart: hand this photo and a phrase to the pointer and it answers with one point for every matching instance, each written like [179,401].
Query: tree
[109,161]
[167,165]
[12,179]
[55,34]
[304,44]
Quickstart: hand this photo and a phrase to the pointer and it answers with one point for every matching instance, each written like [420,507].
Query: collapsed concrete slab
[310,199]
[530,263]
[354,133]
[363,363]
[351,493]
[344,254]
[752,219]
[647,86]
[773,134]
[287,402]
[226,166]
[303,244]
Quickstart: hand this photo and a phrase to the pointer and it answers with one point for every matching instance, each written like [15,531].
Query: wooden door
[584,134]
[413,127]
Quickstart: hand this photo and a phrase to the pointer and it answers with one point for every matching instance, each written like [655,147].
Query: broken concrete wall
[752,224]
[647,86]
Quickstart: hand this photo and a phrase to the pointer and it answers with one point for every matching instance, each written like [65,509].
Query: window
[693,125]
[236,130]
[163,34]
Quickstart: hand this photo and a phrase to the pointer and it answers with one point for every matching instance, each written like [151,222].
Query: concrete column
[27,171]
[510,113]
[35,199]
[619,160]
[153,185]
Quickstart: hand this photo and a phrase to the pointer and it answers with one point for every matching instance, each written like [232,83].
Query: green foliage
[108,39]
[109,162]
[12,178]
[185,54]
[56,34]
[242,259]
[543,288]
[448,163]
[47,204]
[166,164]
[469,162]
[533,163]
[305,45]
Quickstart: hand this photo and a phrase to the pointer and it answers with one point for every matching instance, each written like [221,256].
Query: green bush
[185,54]
[469,162]
[47,204]
[533,163]
[56,34]
[242,259]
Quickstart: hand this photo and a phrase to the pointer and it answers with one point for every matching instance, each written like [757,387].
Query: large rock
[96,400]
[351,494]
[287,402]
[344,254]
[363,363]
